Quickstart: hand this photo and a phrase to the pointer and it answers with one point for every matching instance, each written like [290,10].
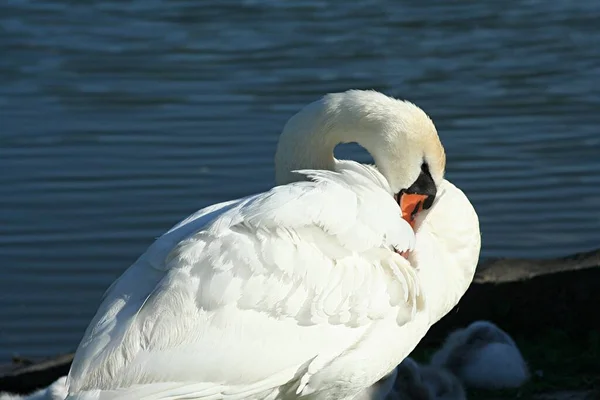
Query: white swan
[300,291]
[483,356]
[56,391]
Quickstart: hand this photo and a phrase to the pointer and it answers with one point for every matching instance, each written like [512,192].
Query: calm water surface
[118,119]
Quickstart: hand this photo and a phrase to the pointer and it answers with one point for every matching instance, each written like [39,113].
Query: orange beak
[411,204]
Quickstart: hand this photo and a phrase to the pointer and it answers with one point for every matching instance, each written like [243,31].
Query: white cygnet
[483,356]
[425,382]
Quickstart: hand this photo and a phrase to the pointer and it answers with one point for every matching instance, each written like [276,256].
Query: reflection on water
[117,119]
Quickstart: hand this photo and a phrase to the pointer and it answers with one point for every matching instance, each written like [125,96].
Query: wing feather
[241,291]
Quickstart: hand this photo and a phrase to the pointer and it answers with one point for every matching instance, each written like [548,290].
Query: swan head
[400,137]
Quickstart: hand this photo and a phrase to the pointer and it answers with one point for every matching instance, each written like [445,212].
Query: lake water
[118,119]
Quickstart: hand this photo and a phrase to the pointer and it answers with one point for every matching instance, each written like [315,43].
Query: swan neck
[303,149]
[309,138]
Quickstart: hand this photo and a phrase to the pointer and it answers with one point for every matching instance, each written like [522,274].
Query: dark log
[528,297]
[25,376]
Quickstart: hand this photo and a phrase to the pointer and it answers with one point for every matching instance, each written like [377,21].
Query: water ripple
[120,118]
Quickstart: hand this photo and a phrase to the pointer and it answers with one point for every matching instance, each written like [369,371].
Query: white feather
[196,303]
[298,291]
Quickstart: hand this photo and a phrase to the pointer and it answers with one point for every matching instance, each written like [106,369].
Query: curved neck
[310,137]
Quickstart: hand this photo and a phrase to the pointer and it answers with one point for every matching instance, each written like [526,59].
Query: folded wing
[253,295]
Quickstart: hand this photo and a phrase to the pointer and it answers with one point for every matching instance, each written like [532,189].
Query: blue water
[118,119]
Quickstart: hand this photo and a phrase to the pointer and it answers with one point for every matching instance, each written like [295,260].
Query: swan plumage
[293,292]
